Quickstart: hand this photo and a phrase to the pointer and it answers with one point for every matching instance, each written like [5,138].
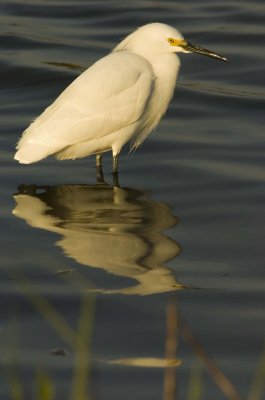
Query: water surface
[97,280]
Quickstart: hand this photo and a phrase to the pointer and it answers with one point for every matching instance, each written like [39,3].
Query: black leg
[100,176]
[116,182]
[98,160]
[115,161]
[115,170]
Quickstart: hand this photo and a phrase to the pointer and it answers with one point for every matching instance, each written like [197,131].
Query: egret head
[161,38]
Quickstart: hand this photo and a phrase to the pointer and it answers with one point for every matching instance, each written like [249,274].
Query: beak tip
[218,57]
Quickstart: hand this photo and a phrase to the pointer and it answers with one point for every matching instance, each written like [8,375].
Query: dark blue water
[95,278]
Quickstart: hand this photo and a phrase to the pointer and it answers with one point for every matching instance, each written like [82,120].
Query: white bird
[120,98]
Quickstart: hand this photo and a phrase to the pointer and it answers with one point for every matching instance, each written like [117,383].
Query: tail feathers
[32,152]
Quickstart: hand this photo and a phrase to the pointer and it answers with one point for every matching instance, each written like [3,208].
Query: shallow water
[97,281]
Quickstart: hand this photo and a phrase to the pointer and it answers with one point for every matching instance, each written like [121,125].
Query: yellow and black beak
[200,50]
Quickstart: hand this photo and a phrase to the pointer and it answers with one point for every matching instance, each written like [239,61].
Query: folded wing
[110,95]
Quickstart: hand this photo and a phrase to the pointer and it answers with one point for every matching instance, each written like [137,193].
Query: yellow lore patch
[176,42]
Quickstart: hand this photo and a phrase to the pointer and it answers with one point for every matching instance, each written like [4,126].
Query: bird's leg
[100,177]
[99,160]
[115,162]
[116,182]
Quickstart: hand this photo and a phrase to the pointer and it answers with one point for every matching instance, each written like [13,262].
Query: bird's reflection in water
[115,229]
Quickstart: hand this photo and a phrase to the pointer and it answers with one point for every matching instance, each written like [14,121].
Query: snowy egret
[121,97]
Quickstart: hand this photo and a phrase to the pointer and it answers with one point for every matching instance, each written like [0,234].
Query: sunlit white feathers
[120,98]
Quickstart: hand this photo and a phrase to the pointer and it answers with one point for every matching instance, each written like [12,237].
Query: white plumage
[121,97]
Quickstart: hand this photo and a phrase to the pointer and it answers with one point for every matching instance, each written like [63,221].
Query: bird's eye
[170,40]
